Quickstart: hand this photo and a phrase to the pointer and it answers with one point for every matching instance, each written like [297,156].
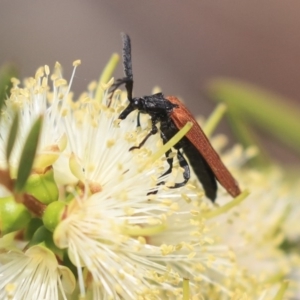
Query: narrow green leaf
[107,74]
[214,119]
[282,290]
[266,110]
[247,137]
[6,73]
[28,155]
[43,235]
[12,136]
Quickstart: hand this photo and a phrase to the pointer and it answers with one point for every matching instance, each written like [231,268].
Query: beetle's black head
[135,103]
[138,103]
[154,105]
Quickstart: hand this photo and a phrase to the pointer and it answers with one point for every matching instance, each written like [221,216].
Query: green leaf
[214,119]
[12,136]
[282,290]
[43,235]
[6,73]
[107,74]
[261,108]
[32,226]
[246,136]
[28,155]
[67,263]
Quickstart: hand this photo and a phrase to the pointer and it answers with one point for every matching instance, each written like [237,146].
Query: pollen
[178,246]
[10,290]
[174,206]
[92,86]
[47,70]
[15,81]
[57,65]
[120,108]
[186,198]
[129,211]
[153,221]
[194,213]
[39,73]
[60,82]
[167,249]
[191,255]
[24,93]
[76,63]
[110,143]
[95,187]
[208,240]
[167,202]
[105,86]
[123,196]
[130,136]
[44,82]
[198,278]
[142,240]
[200,267]
[64,112]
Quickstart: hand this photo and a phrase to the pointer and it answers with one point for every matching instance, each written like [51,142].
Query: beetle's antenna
[127,56]
[127,65]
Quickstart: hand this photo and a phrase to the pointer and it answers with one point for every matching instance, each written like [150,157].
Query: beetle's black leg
[128,83]
[138,121]
[144,140]
[186,173]
[153,131]
[182,162]
[169,159]
[127,65]
[170,162]
[118,83]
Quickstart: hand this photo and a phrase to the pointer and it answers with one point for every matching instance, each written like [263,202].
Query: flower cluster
[94,222]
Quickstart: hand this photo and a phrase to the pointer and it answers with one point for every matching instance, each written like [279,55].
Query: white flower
[98,148]
[32,101]
[131,243]
[254,228]
[135,246]
[129,236]
[34,274]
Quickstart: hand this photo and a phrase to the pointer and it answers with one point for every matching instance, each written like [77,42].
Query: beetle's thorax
[153,105]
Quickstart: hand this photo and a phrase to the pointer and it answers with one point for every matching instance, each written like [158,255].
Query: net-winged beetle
[173,115]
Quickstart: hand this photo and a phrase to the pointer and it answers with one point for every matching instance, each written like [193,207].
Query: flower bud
[53,214]
[13,216]
[42,187]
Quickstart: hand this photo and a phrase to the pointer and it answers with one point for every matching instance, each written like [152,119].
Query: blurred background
[178,45]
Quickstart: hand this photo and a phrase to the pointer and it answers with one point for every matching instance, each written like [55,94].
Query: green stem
[186,289]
